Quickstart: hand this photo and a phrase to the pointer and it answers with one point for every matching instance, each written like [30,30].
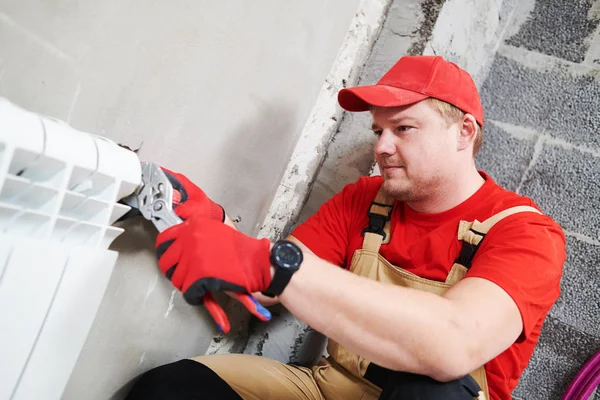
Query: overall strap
[471,234]
[380,213]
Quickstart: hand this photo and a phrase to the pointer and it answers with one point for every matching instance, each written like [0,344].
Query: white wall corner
[324,119]
[310,150]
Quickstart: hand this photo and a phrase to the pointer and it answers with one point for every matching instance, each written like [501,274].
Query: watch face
[288,255]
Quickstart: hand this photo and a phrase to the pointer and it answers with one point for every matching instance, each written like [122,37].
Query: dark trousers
[403,385]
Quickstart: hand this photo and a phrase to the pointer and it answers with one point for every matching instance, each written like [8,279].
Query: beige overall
[341,375]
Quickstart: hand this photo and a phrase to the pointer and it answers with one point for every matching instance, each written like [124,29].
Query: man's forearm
[395,327]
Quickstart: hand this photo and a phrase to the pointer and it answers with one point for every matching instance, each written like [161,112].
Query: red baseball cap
[415,78]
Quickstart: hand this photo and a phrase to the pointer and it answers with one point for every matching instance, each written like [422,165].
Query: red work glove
[189,199]
[201,255]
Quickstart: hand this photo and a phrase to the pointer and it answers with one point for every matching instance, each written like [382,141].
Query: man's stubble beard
[416,189]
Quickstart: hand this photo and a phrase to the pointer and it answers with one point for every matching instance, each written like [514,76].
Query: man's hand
[192,200]
[201,255]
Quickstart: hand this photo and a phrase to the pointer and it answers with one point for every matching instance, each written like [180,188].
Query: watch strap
[280,280]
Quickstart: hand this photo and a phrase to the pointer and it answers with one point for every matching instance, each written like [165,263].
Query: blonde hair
[452,115]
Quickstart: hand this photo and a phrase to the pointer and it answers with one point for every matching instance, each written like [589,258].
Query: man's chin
[397,190]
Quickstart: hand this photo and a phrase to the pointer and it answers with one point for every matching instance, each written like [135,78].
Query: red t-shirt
[523,253]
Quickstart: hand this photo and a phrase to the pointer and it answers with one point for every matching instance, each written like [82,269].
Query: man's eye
[403,128]
[377,133]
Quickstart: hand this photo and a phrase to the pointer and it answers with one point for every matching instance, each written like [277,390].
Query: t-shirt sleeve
[524,255]
[326,233]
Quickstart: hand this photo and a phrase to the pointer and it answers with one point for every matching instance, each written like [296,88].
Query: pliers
[153,199]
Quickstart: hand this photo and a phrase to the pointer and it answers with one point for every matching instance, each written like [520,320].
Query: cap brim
[361,98]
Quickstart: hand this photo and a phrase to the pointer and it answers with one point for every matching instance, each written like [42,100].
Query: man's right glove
[189,199]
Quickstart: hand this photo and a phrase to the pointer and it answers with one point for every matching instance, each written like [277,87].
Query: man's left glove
[190,200]
[201,255]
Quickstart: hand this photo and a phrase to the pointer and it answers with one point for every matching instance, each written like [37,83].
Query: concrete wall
[217,90]
[541,98]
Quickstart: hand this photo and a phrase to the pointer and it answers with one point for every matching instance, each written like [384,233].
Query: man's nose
[385,144]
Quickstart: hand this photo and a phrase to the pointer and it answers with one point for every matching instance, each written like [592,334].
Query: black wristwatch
[286,257]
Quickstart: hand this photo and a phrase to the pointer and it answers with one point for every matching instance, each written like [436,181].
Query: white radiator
[58,194]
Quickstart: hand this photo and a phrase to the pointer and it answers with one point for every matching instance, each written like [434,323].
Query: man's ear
[467,132]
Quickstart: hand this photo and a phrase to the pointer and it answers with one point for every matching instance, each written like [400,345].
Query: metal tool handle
[156,197]
[165,216]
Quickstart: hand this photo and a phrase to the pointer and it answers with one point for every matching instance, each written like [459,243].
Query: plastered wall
[217,90]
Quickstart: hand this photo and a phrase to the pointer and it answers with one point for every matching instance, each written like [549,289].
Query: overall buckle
[376,224]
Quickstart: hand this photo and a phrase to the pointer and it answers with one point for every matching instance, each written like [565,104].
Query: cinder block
[554,101]
[579,302]
[559,355]
[558,28]
[504,157]
[563,182]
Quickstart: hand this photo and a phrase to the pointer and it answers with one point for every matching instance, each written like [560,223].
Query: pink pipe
[586,380]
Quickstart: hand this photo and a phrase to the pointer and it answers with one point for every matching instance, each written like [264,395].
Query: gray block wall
[542,139]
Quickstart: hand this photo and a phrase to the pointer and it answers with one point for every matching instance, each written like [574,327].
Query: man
[430,281]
